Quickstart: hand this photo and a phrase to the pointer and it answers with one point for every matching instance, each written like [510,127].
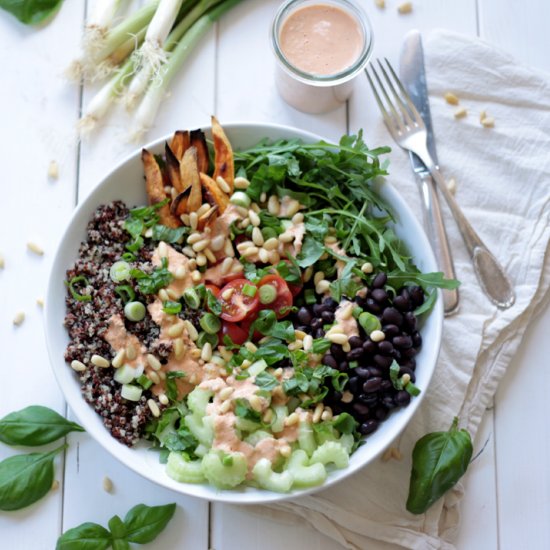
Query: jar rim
[319,79]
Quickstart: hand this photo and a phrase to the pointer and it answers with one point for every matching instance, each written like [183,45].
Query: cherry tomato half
[213,289]
[237,333]
[283,302]
[295,289]
[238,305]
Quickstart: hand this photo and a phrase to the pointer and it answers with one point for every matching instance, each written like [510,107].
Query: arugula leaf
[31,12]
[159,278]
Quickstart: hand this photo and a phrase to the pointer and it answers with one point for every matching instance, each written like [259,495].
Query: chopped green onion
[120,271]
[192,298]
[210,323]
[309,296]
[239,198]
[412,389]
[126,293]
[74,293]
[353,364]
[249,290]
[134,311]
[172,308]
[128,257]
[204,338]
[356,312]
[369,322]
[131,393]
[124,374]
[267,294]
[144,382]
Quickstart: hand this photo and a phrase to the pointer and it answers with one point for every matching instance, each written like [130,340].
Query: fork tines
[399,114]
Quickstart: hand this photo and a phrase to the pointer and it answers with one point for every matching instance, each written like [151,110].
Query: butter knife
[413,77]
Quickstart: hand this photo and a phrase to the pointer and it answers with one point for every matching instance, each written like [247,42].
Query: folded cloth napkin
[503,186]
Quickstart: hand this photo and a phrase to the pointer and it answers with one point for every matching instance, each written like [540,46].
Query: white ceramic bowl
[126,182]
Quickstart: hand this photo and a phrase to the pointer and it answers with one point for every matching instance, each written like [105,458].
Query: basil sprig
[34,426]
[24,479]
[31,12]
[439,460]
[142,524]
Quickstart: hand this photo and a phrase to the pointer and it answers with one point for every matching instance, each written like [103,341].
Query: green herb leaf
[152,283]
[169,234]
[345,423]
[171,386]
[244,410]
[24,479]
[117,527]
[31,12]
[439,460]
[266,381]
[35,425]
[88,536]
[145,523]
[311,251]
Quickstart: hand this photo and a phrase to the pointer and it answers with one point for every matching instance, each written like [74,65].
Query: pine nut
[193,220]
[2,262]
[107,485]
[178,348]
[35,249]
[244,245]
[131,352]
[148,233]
[308,273]
[226,406]
[346,347]
[210,255]
[273,205]
[322,286]
[154,377]
[217,243]
[226,393]
[271,244]
[347,313]
[226,294]
[488,122]
[336,329]
[244,223]
[40,302]
[160,374]
[55,485]
[237,267]
[163,295]
[298,218]
[327,414]
[308,342]
[199,246]
[241,183]
[268,416]
[78,366]
[172,294]
[206,353]
[119,358]
[274,257]
[250,347]
[451,98]
[285,451]
[292,419]
[381,4]
[286,237]
[191,330]
[223,185]
[175,330]
[257,237]
[255,403]
[377,336]
[99,361]
[19,318]
[203,209]
[347,397]
[228,248]
[460,113]
[154,363]
[188,251]
[226,266]
[201,260]
[153,407]
[53,170]
[250,251]
[163,400]
[317,413]
[367,268]
[405,8]
[196,276]
[263,254]
[336,338]
[162,250]
[318,277]
[254,218]
[194,238]
[406,378]
[292,208]
[185,219]
[180,273]
[300,334]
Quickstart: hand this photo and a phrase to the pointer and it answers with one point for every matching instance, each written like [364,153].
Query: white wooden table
[507,501]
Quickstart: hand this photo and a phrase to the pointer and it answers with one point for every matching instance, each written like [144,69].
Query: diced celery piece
[201,428]
[325,432]
[201,450]
[331,452]
[270,480]
[306,439]
[224,474]
[257,436]
[198,399]
[246,425]
[347,441]
[278,422]
[257,367]
[180,468]
[304,474]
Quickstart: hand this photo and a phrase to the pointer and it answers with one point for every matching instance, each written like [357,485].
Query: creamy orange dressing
[119,338]
[214,273]
[344,319]
[321,39]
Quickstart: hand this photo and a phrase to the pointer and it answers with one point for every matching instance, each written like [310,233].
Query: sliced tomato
[214,289]
[294,289]
[237,333]
[238,305]
[283,302]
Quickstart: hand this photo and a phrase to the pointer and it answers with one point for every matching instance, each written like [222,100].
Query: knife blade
[413,77]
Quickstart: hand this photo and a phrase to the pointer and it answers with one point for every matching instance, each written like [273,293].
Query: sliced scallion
[192,298]
[210,323]
[172,308]
[120,271]
[79,279]
[144,382]
[239,198]
[369,322]
[130,392]
[267,294]
[134,311]
[204,338]
[309,296]
[125,292]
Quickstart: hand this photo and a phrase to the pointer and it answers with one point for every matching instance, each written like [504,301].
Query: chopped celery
[278,422]
[257,436]
[257,367]
[270,480]
[225,474]
[201,428]
[305,475]
[306,439]
[198,399]
[180,468]
[331,452]
[246,425]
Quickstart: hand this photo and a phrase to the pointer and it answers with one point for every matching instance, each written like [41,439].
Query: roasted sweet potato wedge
[180,143]
[208,217]
[198,140]
[189,175]
[154,187]
[173,169]
[178,205]
[213,194]
[223,155]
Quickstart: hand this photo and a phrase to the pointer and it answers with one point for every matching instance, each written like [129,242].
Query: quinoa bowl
[98,223]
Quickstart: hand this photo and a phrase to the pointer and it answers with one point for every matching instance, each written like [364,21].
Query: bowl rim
[104,438]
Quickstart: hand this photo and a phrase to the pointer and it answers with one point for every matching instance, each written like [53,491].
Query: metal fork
[408,130]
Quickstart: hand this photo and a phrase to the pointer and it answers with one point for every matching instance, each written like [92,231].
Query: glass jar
[317,92]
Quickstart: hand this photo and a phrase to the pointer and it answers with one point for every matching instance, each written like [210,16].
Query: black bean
[355,342]
[370,347]
[338,352]
[409,320]
[388,401]
[360,409]
[304,328]
[318,309]
[368,427]
[380,280]
[361,301]
[402,398]
[391,316]
[404,292]
[372,384]
[381,413]
[329,360]
[375,371]
[369,399]
[409,353]
[382,360]
[337,396]
[330,303]
[319,333]
[304,316]
[417,339]
[409,363]
[410,372]
[316,323]
[390,330]
[417,295]
[355,354]
[372,306]
[362,372]
[343,366]
[402,303]
[380,295]
[327,317]
[354,384]
[386,385]
[385,347]
[402,342]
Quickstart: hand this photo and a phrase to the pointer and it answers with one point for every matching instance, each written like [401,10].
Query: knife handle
[490,274]
[433,221]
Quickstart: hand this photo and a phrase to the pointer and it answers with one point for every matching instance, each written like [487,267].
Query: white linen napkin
[503,186]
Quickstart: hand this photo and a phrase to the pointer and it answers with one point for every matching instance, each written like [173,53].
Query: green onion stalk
[147,110]
[99,23]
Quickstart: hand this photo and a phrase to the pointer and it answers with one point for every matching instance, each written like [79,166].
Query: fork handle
[490,273]
[433,221]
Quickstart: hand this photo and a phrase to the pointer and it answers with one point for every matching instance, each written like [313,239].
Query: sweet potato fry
[213,194]
[198,140]
[208,217]
[189,174]
[180,143]
[223,155]
[154,188]
[173,169]
[179,203]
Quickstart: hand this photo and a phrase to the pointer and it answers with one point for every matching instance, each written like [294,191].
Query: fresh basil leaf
[117,527]
[171,386]
[345,423]
[212,303]
[35,425]
[121,544]
[266,381]
[88,536]
[169,234]
[24,479]
[31,12]
[244,410]
[145,523]
[311,251]
[151,283]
